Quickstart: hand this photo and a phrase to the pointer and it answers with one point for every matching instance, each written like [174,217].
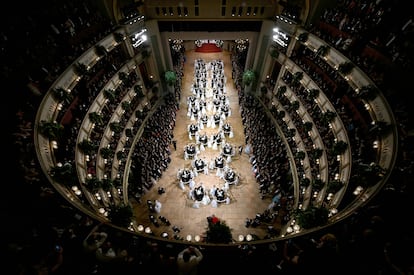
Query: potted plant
[305,182]
[368,92]
[249,77]
[170,78]
[345,68]
[106,152]
[323,50]
[313,93]
[87,147]
[93,184]
[51,129]
[96,118]
[339,147]
[107,184]
[317,184]
[109,94]
[307,126]
[297,77]
[311,217]
[120,155]
[62,95]
[218,231]
[291,132]
[300,155]
[328,116]
[138,90]
[80,69]
[295,105]
[122,76]
[316,153]
[64,174]
[126,105]
[116,127]
[120,215]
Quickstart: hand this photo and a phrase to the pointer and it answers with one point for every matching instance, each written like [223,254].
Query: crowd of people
[205,111]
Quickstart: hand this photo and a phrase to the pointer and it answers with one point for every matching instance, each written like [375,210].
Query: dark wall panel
[213,26]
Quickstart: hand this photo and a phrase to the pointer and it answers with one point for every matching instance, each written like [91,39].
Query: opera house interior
[274,136]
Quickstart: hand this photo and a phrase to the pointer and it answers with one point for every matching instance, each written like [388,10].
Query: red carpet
[208,48]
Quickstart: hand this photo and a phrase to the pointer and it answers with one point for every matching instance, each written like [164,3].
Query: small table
[193,129]
[217,139]
[199,165]
[219,162]
[198,193]
[216,118]
[227,150]
[190,151]
[204,119]
[203,139]
[186,176]
[220,195]
[226,128]
[230,177]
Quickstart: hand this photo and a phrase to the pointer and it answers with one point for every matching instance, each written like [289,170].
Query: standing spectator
[94,240]
[91,243]
[303,256]
[188,260]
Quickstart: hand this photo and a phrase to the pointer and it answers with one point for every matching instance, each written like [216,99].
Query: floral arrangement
[198,43]
[219,43]
[218,231]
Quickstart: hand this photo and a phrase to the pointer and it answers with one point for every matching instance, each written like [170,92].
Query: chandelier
[177,45]
[241,44]
[139,38]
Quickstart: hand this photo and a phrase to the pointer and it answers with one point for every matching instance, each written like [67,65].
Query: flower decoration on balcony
[311,217]
[120,215]
[219,43]
[51,129]
[198,43]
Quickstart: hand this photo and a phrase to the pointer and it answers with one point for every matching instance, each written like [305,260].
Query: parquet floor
[245,199]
